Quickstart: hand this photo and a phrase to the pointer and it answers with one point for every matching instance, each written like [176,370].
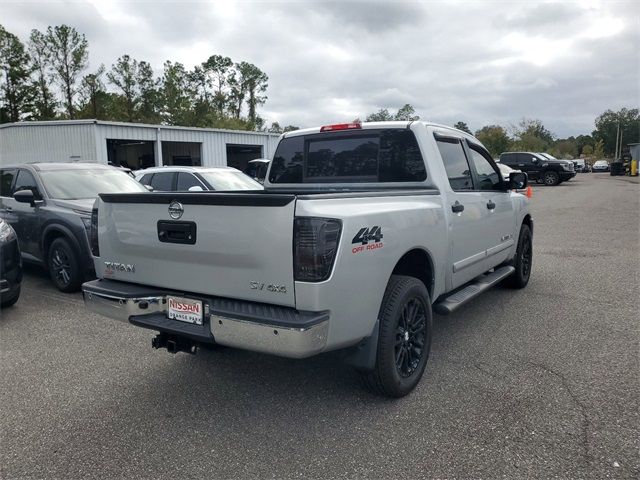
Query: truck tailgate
[220,244]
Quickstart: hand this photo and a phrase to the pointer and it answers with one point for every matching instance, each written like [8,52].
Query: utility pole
[615,155]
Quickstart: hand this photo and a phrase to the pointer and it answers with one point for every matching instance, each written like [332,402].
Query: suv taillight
[93,233]
[315,244]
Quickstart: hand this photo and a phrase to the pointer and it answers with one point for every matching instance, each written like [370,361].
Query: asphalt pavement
[540,382]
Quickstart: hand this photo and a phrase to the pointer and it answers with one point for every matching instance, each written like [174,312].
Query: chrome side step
[472,290]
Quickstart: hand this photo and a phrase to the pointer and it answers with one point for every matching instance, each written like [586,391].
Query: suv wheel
[64,267]
[551,178]
[404,338]
[523,260]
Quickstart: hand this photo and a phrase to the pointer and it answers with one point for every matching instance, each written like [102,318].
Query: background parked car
[195,179]
[505,170]
[600,166]
[10,266]
[538,167]
[257,169]
[49,206]
[580,165]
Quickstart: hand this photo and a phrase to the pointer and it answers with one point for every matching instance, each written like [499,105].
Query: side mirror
[25,196]
[518,180]
[534,160]
[149,187]
[196,188]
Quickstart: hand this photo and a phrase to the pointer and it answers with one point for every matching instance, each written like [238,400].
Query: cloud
[480,62]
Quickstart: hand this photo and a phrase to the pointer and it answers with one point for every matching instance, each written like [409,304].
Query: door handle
[491,205]
[457,207]
[8,209]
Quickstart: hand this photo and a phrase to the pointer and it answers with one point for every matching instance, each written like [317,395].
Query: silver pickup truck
[361,232]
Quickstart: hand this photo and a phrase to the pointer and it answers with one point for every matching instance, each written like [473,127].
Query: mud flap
[363,356]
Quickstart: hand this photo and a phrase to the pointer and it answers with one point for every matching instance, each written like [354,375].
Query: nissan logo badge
[175,210]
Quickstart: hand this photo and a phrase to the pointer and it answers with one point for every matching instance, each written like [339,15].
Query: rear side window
[162,182]
[385,155]
[25,181]
[6,181]
[455,163]
[509,158]
[186,181]
[146,179]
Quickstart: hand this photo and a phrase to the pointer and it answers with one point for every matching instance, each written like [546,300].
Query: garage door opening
[238,156]
[186,154]
[133,154]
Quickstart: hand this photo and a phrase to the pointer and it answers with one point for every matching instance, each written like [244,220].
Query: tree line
[47,78]
[532,136]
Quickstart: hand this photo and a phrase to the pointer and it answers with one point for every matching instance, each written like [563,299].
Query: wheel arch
[417,263]
[53,231]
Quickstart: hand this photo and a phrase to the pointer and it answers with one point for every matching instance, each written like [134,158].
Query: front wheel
[523,260]
[551,178]
[404,337]
[64,266]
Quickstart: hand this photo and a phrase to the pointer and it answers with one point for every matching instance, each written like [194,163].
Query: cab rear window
[363,156]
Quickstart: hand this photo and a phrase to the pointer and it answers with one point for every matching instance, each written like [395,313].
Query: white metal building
[131,145]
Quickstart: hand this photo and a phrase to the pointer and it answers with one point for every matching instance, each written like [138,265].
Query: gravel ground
[535,383]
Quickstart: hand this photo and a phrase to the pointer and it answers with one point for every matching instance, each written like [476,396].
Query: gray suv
[49,206]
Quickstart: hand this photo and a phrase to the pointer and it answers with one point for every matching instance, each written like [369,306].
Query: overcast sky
[477,61]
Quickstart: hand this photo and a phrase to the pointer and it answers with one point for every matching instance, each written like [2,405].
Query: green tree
[123,75]
[587,150]
[247,82]
[290,128]
[275,128]
[68,52]
[44,102]
[93,95]
[176,94]
[494,138]
[406,113]
[149,95]
[462,126]
[381,115]
[607,127]
[217,68]
[531,135]
[15,81]
[598,151]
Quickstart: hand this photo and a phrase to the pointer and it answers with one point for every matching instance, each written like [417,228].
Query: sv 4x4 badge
[368,238]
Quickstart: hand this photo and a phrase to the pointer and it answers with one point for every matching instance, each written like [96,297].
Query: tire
[404,338]
[10,301]
[64,267]
[551,178]
[523,260]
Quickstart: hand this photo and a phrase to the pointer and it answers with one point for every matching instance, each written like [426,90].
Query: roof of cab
[44,166]
[378,125]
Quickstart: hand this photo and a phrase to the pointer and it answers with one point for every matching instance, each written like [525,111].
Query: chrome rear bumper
[262,328]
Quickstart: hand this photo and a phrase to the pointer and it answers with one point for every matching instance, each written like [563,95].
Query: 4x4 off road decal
[368,239]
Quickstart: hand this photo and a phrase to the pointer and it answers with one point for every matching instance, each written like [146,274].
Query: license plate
[185,310]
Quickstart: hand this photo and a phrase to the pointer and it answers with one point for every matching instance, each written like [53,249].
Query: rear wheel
[523,260]
[64,267]
[551,178]
[404,337]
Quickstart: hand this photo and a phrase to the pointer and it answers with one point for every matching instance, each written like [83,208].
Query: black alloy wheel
[64,267]
[404,338]
[410,337]
[551,178]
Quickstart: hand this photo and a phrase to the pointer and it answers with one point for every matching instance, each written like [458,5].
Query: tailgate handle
[177,232]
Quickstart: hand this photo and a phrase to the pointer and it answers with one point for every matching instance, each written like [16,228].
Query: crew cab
[361,232]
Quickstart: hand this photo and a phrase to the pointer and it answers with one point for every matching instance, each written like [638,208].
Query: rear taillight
[315,244]
[93,233]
